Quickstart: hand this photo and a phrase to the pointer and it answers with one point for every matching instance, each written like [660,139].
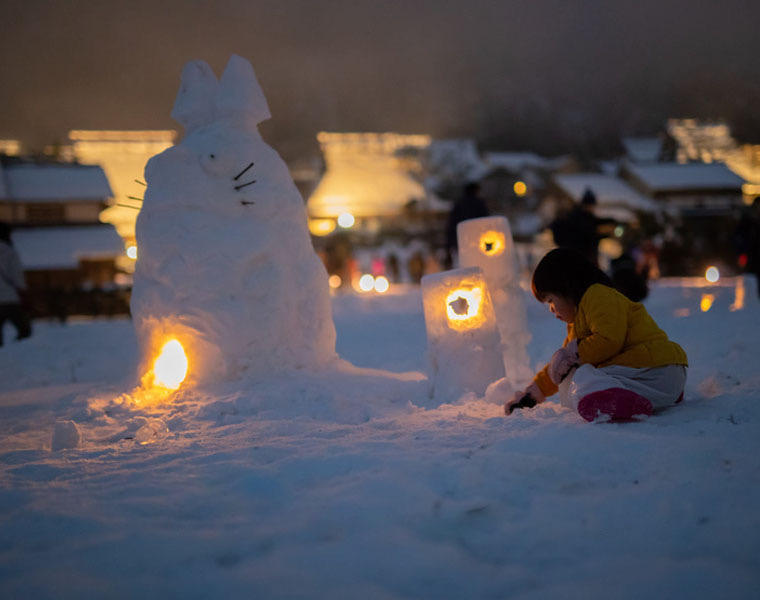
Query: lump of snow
[154,430]
[66,435]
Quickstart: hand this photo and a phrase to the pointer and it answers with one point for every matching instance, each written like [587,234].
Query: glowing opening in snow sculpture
[712,275]
[464,348]
[463,308]
[170,368]
[492,243]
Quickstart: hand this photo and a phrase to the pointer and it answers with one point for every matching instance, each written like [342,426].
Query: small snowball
[499,391]
[66,435]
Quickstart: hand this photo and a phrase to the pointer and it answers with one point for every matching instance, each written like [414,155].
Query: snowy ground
[353,485]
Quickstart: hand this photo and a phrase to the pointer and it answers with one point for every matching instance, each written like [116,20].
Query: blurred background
[397,120]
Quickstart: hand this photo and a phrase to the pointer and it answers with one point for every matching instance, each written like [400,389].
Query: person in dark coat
[747,237]
[11,287]
[580,228]
[470,205]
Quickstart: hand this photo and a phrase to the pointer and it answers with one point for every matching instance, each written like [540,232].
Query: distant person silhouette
[579,229]
[11,287]
[747,238]
[470,205]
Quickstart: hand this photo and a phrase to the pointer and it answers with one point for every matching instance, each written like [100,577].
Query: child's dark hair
[566,273]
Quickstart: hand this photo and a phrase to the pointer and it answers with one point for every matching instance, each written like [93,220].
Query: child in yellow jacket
[615,362]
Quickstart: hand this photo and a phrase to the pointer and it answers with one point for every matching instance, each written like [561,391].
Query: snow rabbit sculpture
[226,264]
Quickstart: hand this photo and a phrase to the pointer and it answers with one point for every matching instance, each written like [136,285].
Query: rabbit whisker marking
[128,206]
[134,198]
[247,202]
[242,185]
[141,182]
[241,172]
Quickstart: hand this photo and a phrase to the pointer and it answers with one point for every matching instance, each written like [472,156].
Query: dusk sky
[514,74]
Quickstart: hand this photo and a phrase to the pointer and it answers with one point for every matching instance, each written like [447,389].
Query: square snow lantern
[464,348]
[487,243]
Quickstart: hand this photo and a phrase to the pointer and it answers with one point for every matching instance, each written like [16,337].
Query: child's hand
[532,391]
[563,361]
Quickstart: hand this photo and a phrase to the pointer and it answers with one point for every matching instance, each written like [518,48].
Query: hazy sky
[546,74]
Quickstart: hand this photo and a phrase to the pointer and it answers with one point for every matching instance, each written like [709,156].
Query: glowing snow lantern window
[520,188]
[346,220]
[381,284]
[712,274]
[170,368]
[132,252]
[492,243]
[464,307]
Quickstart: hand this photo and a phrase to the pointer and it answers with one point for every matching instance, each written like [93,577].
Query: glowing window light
[334,281]
[321,227]
[706,303]
[132,252]
[492,243]
[520,188]
[381,284]
[346,220]
[170,368]
[712,274]
[366,282]
[463,307]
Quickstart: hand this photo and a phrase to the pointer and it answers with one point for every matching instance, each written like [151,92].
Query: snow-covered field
[352,484]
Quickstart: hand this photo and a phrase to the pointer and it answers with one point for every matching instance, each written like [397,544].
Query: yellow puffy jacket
[612,330]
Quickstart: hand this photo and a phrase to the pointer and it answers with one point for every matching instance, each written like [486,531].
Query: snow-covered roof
[53,182]
[363,192]
[642,149]
[664,177]
[609,191]
[516,161]
[62,247]
[456,156]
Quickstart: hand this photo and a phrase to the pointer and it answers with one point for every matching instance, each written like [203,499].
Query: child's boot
[617,404]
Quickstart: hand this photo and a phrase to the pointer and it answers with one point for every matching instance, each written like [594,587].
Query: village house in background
[69,256]
[371,213]
[122,155]
[700,204]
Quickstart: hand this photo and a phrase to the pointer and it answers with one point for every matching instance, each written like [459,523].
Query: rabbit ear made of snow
[240,95]
[195,103]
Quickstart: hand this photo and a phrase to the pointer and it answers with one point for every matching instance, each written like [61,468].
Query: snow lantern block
[487,243]
[464,348]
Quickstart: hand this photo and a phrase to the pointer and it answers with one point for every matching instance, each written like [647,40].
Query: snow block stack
[487,243]
[226,265]
[464,349]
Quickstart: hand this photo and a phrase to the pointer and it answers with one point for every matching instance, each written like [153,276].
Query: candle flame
[170,368]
